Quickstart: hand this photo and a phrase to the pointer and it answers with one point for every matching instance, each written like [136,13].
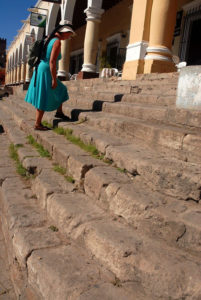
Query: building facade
[133,36]
[2,60]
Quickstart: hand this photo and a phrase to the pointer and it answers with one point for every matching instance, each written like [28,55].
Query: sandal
[41,127]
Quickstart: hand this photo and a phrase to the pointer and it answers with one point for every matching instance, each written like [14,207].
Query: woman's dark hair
[52,35]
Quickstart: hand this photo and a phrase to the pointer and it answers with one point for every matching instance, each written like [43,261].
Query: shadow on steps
[1,129]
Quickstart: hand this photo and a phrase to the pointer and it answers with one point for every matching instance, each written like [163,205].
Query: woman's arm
[53,59]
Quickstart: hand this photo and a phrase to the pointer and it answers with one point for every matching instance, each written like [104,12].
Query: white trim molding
[94,14]
[156,53]
[89,68]
[61,73]
[158,57]
[136,51]
[161,50]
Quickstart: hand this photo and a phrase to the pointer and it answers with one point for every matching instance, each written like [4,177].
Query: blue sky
[11,14]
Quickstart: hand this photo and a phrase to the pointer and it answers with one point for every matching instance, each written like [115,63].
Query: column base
[87,75]
[64,78]
[158,66]
[132,68]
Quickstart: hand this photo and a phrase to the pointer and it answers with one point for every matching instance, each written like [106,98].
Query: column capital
[94,13]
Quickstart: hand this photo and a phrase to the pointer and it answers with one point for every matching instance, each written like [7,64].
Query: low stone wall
[189,88]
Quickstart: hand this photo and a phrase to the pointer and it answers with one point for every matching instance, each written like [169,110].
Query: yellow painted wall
[109,26]
[78,41]
[116,20]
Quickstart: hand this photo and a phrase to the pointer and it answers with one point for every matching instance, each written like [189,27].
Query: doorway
[194,50]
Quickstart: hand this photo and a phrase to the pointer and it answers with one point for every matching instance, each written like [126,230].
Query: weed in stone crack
[45,123]
[19,146]
[117,282]
[4,292]
[68,133]
[43,152]
[107,161]
[60,130]
[59,169]
[80,121]
[62,171]
[121,170]
[53,228]
[19,167]
[70,179]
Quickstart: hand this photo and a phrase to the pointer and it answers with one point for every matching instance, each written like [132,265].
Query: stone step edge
[108,152]
[53,209]
[178,126]
[168,136]
[24,249]
[120,230]
[192,194]
[155,212]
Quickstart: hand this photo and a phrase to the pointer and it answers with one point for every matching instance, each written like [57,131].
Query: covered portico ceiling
[79,17]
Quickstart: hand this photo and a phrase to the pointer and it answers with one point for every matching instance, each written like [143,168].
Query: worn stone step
[117,246]
[177,176]
[66,273]
[126,253]
[105,148]
[153,133]
[166,114]
[138,111]
[70,213]
[97,231]
[32,237]
[164,89]
[105,192]
[47,265]
[75,160]
[158,76]
[112,88]
[6,286]
[100,96]
[149,99]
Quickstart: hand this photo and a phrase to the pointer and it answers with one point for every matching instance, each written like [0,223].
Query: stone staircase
[129,226]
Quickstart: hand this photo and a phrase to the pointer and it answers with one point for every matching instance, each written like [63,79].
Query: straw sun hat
[66,27]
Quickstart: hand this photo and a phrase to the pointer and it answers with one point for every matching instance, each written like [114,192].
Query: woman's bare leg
[39,116]
[59,109]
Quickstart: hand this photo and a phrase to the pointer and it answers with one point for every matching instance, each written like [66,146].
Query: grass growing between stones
[43,152]
[14,155]
[121,170]
[68,133]
[53,228]
[62,171]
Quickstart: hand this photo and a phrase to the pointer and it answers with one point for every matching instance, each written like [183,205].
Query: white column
[23,72]
[65,60]
[91,38]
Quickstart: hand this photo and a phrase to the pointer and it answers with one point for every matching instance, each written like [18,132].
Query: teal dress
[42,96]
